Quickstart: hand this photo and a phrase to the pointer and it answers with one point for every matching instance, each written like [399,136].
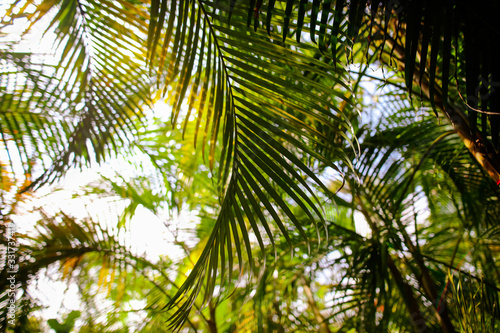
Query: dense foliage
[260,134]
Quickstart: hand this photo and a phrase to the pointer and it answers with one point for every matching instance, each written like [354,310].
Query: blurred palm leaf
[86,253]
[476,304]
[79,99]
[407,165]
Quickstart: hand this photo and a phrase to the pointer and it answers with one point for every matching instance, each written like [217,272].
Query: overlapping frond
[403,159]
[78,97]
[436,53]
[262,101]
[407,143]
[85,252]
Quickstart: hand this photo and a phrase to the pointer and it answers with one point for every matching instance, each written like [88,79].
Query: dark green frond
[435,52]
[261,101]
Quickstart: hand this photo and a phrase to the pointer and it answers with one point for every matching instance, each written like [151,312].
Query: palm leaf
[81,102]
[244,85]
[397,167]
[88,254]
[435,53]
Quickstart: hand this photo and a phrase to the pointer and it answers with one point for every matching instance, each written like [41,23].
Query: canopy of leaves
[272,141]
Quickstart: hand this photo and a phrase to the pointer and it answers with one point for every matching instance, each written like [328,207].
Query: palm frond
[399,166]
[78,101]
[97,255]
[262,100]
[435,53]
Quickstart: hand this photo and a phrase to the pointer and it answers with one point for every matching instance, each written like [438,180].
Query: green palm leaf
[79,103]
[262,100]
[435,53]
[397,167]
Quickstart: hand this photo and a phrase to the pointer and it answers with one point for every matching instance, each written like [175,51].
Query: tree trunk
[479,147]
[314,307]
